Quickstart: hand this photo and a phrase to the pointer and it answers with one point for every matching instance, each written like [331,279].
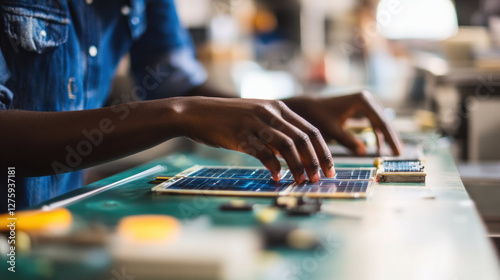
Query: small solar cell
[403,166]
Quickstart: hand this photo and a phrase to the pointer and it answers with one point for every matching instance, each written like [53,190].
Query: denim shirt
[61,55]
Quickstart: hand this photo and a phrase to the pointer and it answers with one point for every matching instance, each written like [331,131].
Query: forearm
[44,143]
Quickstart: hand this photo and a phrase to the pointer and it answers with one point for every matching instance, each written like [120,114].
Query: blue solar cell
[229,184]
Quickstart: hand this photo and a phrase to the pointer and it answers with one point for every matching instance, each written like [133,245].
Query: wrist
[301,104]
[167,116]
[179,115]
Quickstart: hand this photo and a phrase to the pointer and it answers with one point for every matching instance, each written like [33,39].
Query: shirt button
[135,20]
[93,51]
[43,33]
[89,1]
[125,10]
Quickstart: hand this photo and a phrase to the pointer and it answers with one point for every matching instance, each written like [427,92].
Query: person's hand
[261,128]
[330,114]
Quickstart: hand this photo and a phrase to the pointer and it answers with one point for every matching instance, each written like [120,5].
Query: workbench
[400,231]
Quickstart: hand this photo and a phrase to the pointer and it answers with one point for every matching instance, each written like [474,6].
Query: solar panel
[253,181]
[214,186]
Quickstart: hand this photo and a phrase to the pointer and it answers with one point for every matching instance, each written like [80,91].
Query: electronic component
[40,221]
[288,235]
[293,201]
[403,166]
[285,201]
[298,206]
[306,206]
[267,215]
[236,205]
[149,229]
[400,170]
[303,210]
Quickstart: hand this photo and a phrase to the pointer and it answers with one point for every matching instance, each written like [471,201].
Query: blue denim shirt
[61,55]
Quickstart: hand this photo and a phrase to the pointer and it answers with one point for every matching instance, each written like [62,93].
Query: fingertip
[276,176]
[273,165]
[301,179]
[315,178]
[330,173]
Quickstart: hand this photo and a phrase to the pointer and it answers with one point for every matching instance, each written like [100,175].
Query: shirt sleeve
[162,59]
[6,95]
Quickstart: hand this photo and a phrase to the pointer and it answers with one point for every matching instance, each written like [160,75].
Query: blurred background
[435,64]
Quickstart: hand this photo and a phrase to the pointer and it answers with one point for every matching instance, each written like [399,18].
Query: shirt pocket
[33,27]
